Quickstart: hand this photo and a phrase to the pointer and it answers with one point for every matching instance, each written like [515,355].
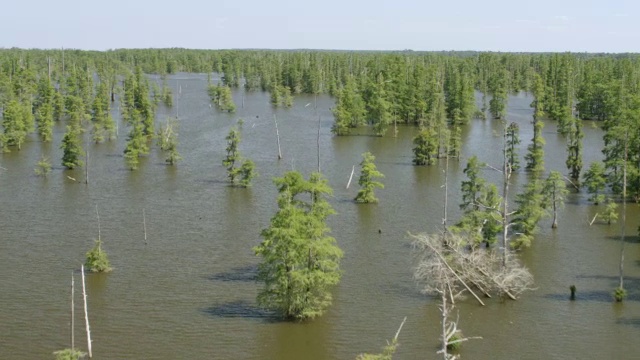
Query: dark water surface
[189,292]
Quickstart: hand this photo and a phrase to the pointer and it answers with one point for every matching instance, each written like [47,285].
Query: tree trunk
[86,313]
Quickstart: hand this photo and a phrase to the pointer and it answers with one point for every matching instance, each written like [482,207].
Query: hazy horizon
[376,25]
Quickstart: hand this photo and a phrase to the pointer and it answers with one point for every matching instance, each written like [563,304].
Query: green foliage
[535,150]
[243,174]
[350,109]
[473,186]
[43,168]
[378,107]
[367,183]
[221,96]
[481,222]
[610,214]
[595,181]
[136,144]
[529,212]
[233,140]
[619,294]
[513,140]
[386,354]
[481,219]
[554,194]
[72,149]
[168,141]
[69,354]
[425,150]
[281,96]
[454,343]
[15,124]
[574,149]
[300,261]
[498,91]
[167,95]
[247,172]
[97,260]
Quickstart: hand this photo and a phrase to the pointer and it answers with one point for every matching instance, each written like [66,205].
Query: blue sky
[495,25]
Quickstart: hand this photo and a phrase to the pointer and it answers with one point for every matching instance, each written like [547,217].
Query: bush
[97,260]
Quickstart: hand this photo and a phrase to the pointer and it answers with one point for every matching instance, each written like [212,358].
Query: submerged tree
[513,140]
[535,151]
[554,192]
[387,351]
[72,149]
[367,183]
[168,141]
[350,109]
[97,260]
[300,261]
[243,174]
[221,96]
[43,168]
[446,268]
[595,180]
[528,214]
[574,149]
[69,354]
[425,151]
[136,146]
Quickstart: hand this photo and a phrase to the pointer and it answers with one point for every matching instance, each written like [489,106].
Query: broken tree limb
[353,169]
[455,274]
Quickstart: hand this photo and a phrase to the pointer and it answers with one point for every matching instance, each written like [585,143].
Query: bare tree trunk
[446,193]
[318,143]
[86,313]
[624,211]
[555,214]
[444,310]
[144,225]
[275,119]
[505,201]
[73,320]
[98,216]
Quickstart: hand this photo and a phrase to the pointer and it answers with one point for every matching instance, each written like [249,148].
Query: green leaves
[367,183]
[97,260]
[595,181]
[72,149]
[300,261]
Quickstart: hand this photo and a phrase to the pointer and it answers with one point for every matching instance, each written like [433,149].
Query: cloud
[562,18]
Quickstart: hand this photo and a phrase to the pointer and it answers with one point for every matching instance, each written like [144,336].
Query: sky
[490,25]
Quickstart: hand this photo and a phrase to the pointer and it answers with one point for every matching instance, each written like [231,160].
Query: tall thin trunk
[73,320]
[86,313]
[624,210]
[275,119]
[505,192]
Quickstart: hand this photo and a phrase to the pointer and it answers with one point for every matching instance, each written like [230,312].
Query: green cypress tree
[367,183]
[72,149]
[300,261]
[595,180]
[554,193]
